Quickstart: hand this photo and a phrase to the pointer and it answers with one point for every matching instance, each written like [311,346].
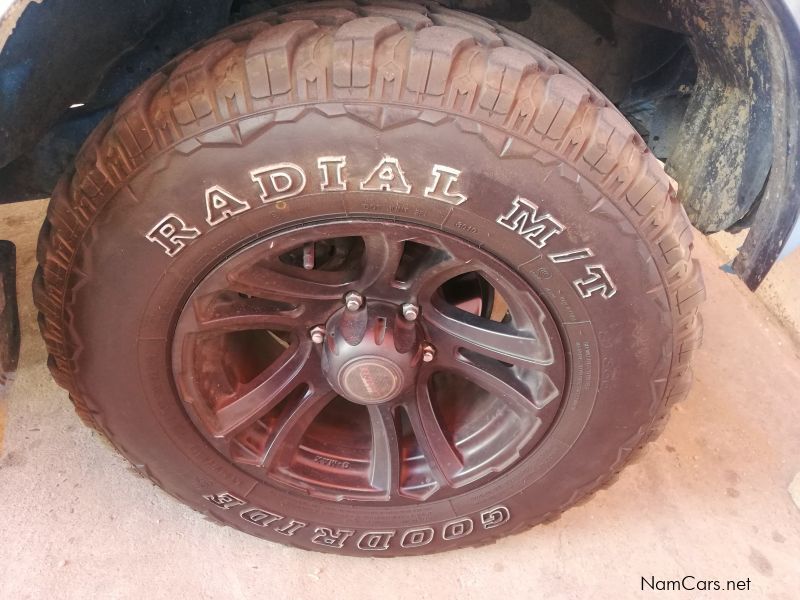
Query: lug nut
[410,311]
[428,352]
[318,334]
[353,301]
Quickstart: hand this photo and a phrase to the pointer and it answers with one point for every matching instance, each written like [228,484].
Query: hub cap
[384,408]
[370,355]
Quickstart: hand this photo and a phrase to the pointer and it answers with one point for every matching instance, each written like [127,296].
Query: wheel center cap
[370,379]
[370,355]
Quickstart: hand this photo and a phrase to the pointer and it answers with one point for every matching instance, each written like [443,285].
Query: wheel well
[696,78]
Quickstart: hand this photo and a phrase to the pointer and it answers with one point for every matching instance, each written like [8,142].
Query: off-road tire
[391,75]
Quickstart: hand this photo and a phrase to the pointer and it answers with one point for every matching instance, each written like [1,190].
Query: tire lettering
[494,517]
[284,180]
[570,255]
[172,233]
[387,176]
[375,540]
[331,171]
[265,518]
[256,516]
[524,219]
[279,181]
[457,529]
[414,538]
[221,204]
[333,538]
[440,189]
[290,528]
[224,500]
[597,280]
[369,541]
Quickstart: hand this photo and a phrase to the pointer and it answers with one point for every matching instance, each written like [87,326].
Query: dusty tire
[487,139]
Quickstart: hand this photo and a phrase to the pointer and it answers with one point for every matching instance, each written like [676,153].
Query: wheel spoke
[433,271]
[231,312]
[292,424]
[443,459]
[282,282]
[264,392]
[382,254]
[502,381]
[386,463]
[456,329]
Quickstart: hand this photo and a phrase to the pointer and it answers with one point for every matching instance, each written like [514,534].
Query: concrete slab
[710,499]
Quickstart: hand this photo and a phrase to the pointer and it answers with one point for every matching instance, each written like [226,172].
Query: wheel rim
[449,371]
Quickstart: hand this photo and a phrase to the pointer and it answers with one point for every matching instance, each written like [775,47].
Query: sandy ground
[711,498]
[780,290]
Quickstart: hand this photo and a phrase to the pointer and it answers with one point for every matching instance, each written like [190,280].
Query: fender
[736,161]
[776,222]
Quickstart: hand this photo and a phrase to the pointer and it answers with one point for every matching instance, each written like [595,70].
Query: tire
[411,122]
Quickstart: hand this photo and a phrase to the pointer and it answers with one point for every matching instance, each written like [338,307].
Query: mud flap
[9,316]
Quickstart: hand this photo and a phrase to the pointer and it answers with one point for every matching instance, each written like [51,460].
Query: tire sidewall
[618,347]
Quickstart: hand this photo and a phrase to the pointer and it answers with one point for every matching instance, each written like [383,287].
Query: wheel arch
[736,153]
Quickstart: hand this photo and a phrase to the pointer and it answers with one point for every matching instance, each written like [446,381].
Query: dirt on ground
[716,497]
[780,290]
